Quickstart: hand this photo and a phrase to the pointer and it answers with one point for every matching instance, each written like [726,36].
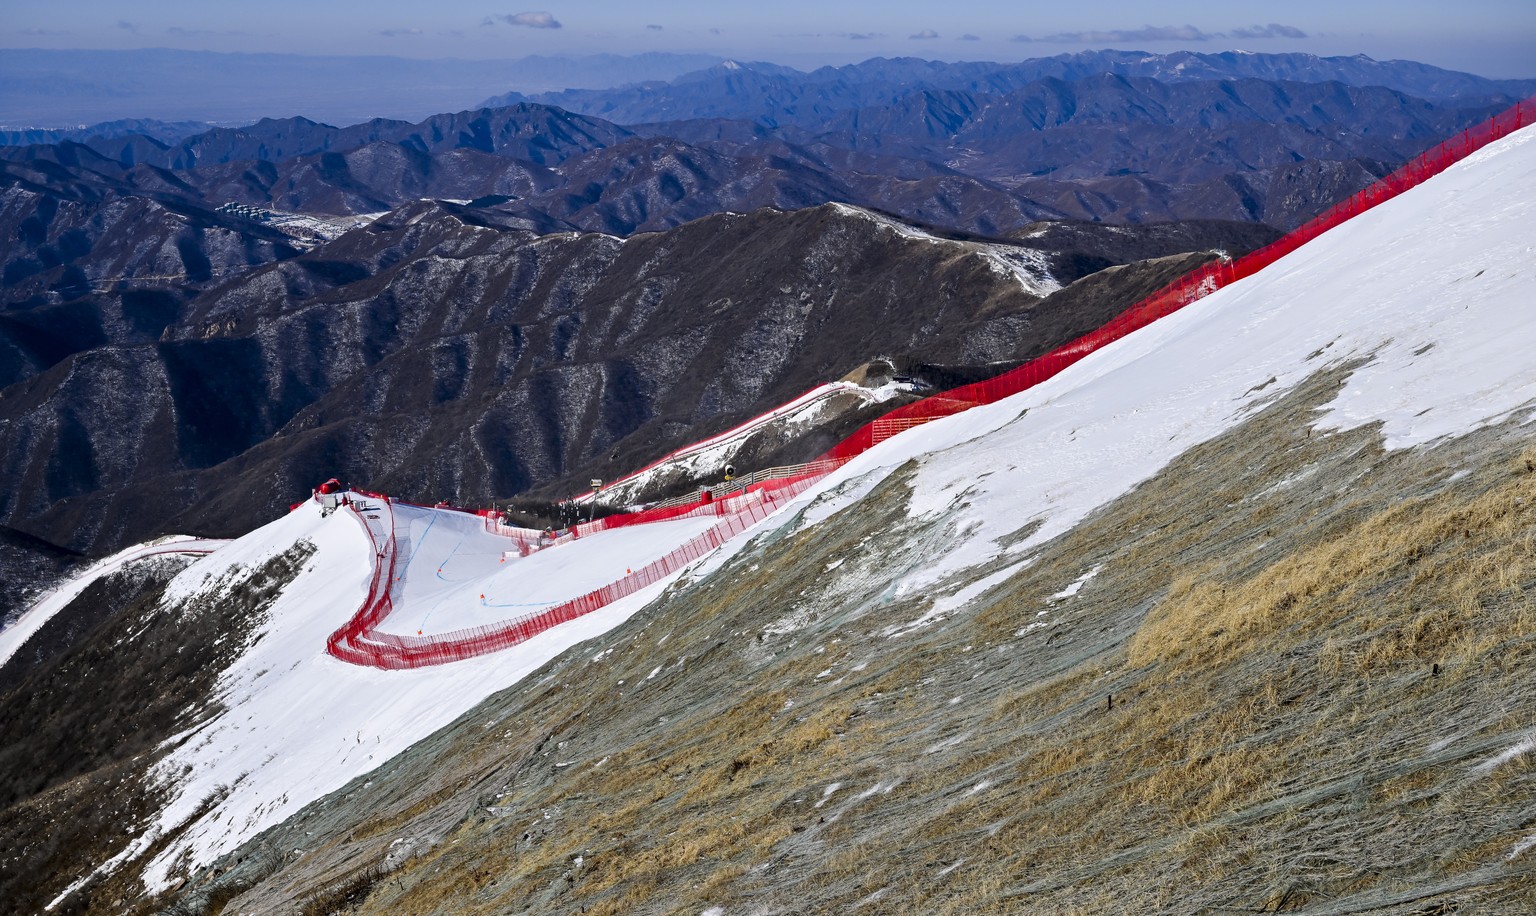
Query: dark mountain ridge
[166,132]
[1100,147]
[536,133]
[73,230]
[432,355]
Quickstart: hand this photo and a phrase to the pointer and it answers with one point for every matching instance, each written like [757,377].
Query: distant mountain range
[480,337]
[1125,149]
[166,132]
[70,88]
[776,96]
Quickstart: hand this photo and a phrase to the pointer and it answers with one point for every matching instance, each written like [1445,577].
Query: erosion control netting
[361,641]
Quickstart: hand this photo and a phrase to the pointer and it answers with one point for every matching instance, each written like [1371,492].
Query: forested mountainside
[437,355]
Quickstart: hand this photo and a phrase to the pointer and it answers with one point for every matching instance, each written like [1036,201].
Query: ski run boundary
[361,640]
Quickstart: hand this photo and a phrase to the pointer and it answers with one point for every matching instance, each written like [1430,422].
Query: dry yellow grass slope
[1301,680]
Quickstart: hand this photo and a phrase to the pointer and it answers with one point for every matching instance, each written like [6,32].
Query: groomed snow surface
[452,574]
[710,456]
[1434,288]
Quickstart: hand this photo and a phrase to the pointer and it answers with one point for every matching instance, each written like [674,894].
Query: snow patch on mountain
[709,457]
[1027,266]
[14,636]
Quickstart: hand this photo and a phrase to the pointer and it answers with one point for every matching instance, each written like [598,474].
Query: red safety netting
[1191,287]
[361,642]
[725,505]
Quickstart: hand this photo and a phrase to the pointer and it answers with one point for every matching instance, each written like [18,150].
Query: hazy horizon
[1490,38]
[346,63]
[805,62]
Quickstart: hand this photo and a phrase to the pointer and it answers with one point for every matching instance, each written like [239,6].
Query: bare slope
[1235,613]
[1207,680]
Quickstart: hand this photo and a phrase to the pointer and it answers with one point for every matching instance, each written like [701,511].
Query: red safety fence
[723,505]
[1193,286]
[360,641]
[527,539]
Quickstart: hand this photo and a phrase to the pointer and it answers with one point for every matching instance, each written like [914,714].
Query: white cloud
[538,20]
[924,35]
[1117,36]
[1273,30]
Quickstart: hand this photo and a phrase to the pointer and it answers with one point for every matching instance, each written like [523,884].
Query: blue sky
[1491,37]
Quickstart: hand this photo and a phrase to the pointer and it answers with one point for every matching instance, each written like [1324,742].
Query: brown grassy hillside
[1299,681]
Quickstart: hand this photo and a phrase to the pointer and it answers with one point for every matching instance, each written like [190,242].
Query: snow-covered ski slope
[453,575]
[670,540]
[298,723]
[710,456]
[1435,290]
